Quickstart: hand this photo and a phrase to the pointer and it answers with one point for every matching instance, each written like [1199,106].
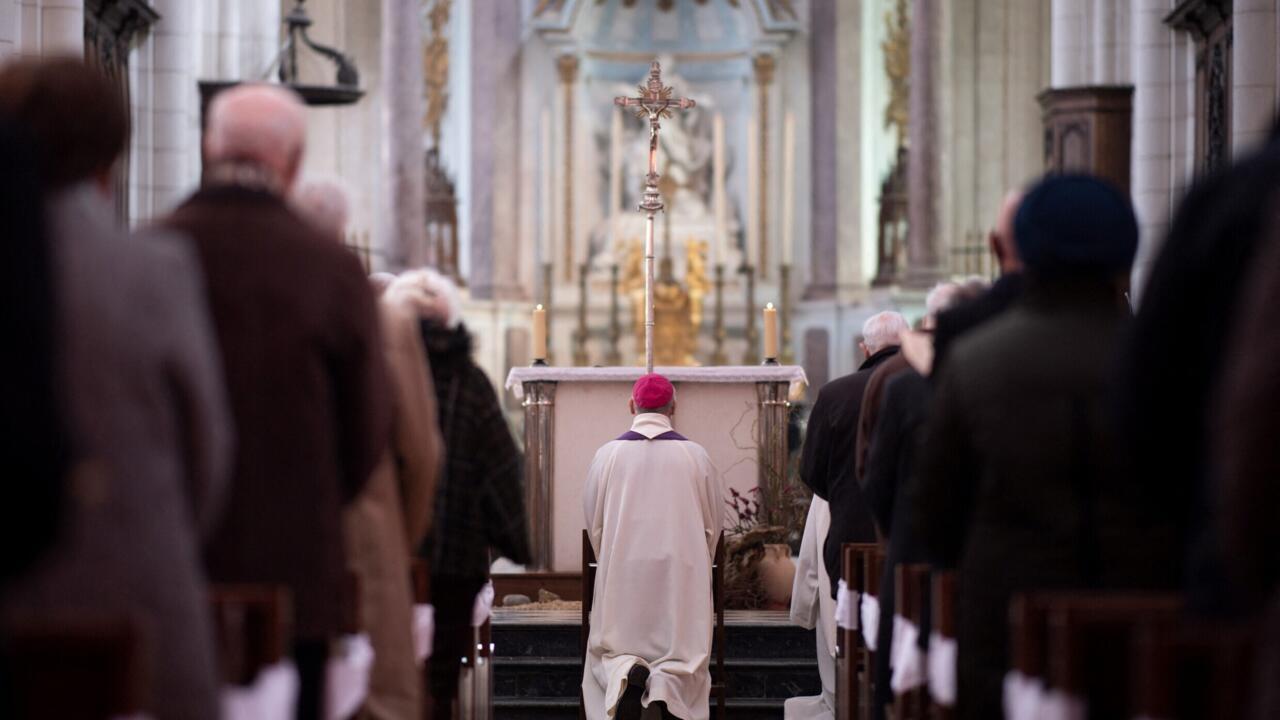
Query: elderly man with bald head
[299,336]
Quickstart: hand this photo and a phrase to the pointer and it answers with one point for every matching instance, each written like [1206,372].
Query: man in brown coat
[385,525]
[299,336]
[139,373]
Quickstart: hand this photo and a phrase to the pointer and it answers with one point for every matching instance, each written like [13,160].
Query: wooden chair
[253,628]
[719,678]
[1091,641]
[944,608]
[872,570]
[420,582]
[911,595]
[352,623]
[475,681]
[1192,671]
[77,667]
[850,650]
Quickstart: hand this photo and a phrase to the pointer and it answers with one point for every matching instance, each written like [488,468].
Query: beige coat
[389,520]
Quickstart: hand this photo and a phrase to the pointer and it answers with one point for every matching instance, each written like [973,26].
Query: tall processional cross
[655,102]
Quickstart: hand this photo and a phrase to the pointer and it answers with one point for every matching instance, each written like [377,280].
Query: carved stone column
[825,70]
[567,65]
[539,468]
[924,168]
[764,68]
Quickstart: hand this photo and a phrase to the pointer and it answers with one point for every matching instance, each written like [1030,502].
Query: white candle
[749,213]
[544,237]
[788,186]
[718,250]
[770,332]
[539,333]
[615,164]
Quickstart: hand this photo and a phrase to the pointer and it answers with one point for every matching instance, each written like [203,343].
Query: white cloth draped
[942,669]
[870,608]
[812,607]
[272,696]
[792,374]
[424,630]
[483,606]
[654,510]
[1023,696]
[347,676]
[846,607]
[905,657]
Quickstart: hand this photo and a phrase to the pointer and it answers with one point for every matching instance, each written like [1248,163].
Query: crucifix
[655,102]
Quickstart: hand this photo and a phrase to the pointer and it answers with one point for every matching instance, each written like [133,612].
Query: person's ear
[997,248]
[673,408]
[631,405]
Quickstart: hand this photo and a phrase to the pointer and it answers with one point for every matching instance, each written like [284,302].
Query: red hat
[652,391]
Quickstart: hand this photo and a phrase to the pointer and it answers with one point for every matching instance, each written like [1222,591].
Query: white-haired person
[480,512]
[827,458]
[392,516]
[305,372]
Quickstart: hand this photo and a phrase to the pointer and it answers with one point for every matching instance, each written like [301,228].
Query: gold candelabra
[614,356]
[718,356]
[787,356]
[580,335]
[547,278]
[751,356]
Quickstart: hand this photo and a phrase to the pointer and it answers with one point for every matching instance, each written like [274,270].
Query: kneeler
[719,680]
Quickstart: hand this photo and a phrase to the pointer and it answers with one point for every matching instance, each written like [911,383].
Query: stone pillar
[1069,28]
[10,28]
[1255,56]
[823,253]
[924,166]
[1152,171]
[62,27]
[764,68]
[494,190]
[174,109]
[403,109]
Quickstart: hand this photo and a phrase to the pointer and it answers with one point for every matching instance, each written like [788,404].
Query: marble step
[756,641]
[565,709]
[556,677]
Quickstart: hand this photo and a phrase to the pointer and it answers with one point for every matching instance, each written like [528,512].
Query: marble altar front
[739,414]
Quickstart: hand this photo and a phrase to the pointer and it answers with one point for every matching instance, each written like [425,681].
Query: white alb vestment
[654,508]
[813,607]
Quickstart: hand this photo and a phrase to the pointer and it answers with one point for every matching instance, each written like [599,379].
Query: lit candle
[753,192]
[544,237]
[615,165]
[770,332]
[539,333]
[718,250]
[788,185]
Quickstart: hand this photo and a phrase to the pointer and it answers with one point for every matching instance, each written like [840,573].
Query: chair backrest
[1195,670]
[911,588]
[943,600]
[420,579]
[253,626]
[352,623]
[76,666]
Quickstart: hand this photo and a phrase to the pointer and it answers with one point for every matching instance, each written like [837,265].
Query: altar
[738,413]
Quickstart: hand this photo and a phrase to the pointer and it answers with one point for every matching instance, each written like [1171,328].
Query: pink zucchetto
[652,391]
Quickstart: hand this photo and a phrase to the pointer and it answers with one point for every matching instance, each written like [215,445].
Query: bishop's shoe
[629,705]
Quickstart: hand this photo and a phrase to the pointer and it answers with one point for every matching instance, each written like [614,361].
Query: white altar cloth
[717,407]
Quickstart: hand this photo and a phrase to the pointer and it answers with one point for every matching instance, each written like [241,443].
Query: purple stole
[668,435]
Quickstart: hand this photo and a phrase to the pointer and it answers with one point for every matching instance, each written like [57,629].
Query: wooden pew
[945,612]
[1199,670]
[75,666]
[911,594]
[253,628]
[719,677]
[1090,645]
[850,650]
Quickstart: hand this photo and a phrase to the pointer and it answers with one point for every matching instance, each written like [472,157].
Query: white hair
[942,296]
[257,124]
[430,294]
[882,330]
[324,203]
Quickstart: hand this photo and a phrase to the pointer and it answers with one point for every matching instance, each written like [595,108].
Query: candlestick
[717,191]
[770,333]
[580,335]
[547,276]
[614,356]
[539,335]
[787,357]
[788,185]
[751,355]
[717,334]
[753,181]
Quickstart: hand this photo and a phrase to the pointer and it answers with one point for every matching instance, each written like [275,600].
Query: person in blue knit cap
[1021,482]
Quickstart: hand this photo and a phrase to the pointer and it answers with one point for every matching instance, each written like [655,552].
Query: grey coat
[151,437]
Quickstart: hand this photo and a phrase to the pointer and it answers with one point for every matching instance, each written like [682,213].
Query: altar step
[538,668]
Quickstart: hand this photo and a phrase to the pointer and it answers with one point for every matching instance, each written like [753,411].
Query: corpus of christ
[640,359]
